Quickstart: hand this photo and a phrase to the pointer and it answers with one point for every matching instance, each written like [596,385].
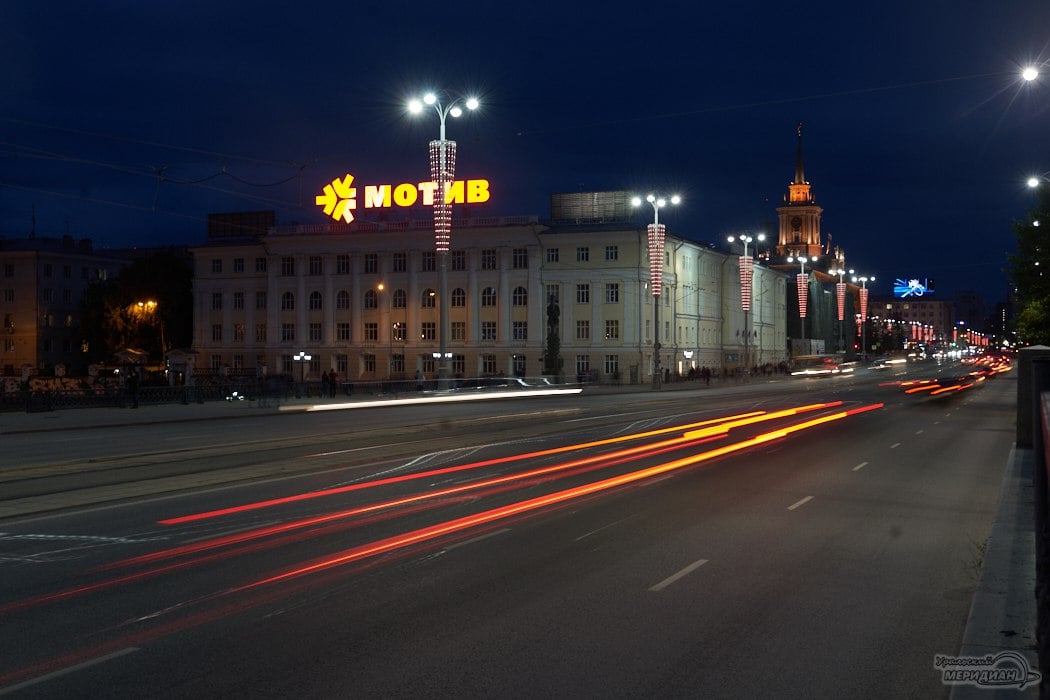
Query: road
[587,546]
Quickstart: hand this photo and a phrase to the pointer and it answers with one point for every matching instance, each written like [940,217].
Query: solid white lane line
[674,577]
[479,538]
[860,466]
[64,671]
[895,445]
[918,432]
[800,502]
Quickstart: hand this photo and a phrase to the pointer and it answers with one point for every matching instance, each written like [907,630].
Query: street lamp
[864,313]
[747,264]
[840,293]
[656,269]
[442,173]
[1030,73]
[802,285]
[302,358]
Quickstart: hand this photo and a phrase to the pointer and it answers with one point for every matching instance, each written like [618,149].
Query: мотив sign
[339,198]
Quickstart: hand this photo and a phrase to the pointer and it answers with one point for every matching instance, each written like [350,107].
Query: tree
[1030,271]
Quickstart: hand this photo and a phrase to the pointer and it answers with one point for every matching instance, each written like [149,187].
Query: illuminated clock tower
[800,215]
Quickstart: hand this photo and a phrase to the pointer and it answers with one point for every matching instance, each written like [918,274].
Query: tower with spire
[799,215]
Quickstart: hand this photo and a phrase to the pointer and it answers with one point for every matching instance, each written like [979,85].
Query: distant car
[879,364]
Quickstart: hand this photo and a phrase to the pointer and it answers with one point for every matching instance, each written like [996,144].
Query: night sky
[128,122]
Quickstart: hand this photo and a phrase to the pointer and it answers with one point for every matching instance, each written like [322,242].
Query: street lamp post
[656,269]
[802,285]
[840,293]
[442,173]
[747,265]
[864,313]
[302,358]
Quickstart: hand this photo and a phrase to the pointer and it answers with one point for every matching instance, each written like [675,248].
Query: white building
[361,299]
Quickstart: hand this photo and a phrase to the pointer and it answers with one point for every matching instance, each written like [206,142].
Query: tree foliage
[1030,271]
[111,318]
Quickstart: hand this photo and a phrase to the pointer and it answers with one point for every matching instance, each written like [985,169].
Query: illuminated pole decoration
[840,297]
[864,312]
[747,265]
[442,173]
[802,285]
[656,270]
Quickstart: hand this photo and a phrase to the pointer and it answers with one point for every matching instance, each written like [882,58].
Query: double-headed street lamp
[302,358]
[442,173]
[656,232]
[864,313]
[747,265]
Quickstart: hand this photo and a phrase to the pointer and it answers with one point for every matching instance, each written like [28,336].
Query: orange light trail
[729,421]
[449,527]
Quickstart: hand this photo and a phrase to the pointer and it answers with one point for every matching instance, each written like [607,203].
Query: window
[399,300]
[260,300]
[48,321]
[315,332]
[68,322]
[371,263]
[553,254]
[583,254]
[216,267]
[342,300]
[397,363]
[286,364]
[520,297]
[428,261]
[612,252]
[488,296]
[342,331]
[553,292]
[399,263]
[238,300]
[287,332]
[48,270]
[216,301]
[612,364]
[372,332]
[612,329]
[9,345]
[520,259]
[342,264]
[583,294]
[520,330]
[488,259]
[488,364]
[315,301]
[341,363]
[583,364]
[488,330]
[67,272]
[457,260]
[260,264]
[458,298]
[316,266]
[67,296]
[260,332]
[9,270]
[369,363]
[428,330]
[287,301]
[238,361]
[238,264]
[399,331]
[288,266]
[583,330]
[458,330]
[459,365]
[48,295]
[612,293]
[371,299]
[216,332]
[238,332]
[428,299]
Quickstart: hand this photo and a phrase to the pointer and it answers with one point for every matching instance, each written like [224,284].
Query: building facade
[41,284]
[361,300]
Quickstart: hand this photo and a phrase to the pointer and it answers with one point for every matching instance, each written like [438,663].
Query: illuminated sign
[340,197]
[913,287]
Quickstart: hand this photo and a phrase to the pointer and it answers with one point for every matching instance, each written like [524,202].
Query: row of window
[47,295]
[399,298]
[583,254]
[399,331]
[457,261]
[48,271]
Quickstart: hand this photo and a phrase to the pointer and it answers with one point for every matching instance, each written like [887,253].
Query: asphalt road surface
[809,538]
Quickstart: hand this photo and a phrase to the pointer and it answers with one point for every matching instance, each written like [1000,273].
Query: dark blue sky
[128,122]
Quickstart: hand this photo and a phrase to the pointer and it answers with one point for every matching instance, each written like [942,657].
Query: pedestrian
[324,384]
[332,384]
